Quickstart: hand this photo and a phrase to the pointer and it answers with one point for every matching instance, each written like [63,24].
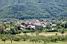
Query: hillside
[25,9]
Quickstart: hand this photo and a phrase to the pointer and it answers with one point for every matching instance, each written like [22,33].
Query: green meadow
[27,42]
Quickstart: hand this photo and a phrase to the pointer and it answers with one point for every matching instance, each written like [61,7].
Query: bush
[17,38]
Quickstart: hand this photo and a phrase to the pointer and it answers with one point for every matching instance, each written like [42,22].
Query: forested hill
[21,9]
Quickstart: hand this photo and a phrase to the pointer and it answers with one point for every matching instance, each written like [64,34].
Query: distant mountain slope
[21,9]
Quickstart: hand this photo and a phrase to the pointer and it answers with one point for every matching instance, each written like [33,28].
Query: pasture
[44,33]
[27,42]
[33,35]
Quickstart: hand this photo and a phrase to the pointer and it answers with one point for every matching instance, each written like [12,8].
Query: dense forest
[28,9]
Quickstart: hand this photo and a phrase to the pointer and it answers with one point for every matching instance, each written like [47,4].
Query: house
[53,24]
[33,24]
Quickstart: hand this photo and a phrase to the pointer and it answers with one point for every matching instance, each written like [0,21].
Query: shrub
[17,38]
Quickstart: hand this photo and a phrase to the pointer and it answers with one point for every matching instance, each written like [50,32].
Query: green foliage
[16,38]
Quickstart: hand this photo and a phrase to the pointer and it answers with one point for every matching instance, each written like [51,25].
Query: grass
[44,33]
[27,42]
[18,42]
[65,42]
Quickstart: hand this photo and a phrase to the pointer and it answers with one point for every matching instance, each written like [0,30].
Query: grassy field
[58,43]
[27,42]
[44,33]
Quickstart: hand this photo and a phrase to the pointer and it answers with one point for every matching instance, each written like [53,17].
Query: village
[33,25]
[36,24]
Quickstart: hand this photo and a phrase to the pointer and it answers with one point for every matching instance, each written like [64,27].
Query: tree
[62,32]
[10,37]
[4,38]
[34,39]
